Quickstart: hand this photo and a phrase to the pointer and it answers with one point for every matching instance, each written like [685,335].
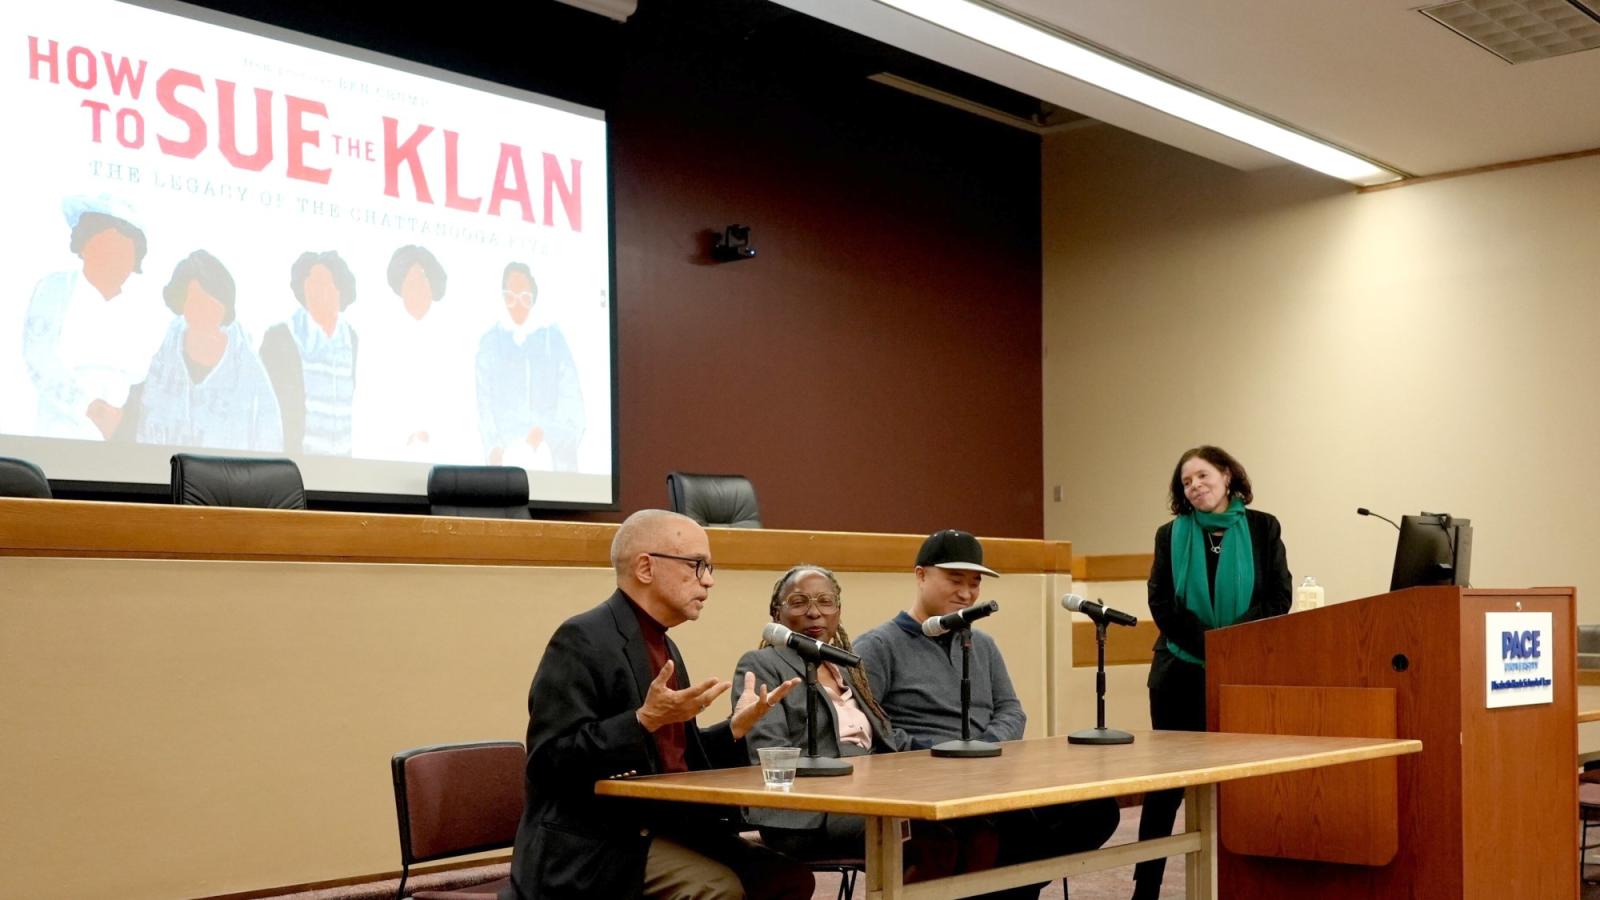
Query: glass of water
[777,767]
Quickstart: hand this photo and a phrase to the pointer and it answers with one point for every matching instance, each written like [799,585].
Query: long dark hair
[1238,481]
[840,639]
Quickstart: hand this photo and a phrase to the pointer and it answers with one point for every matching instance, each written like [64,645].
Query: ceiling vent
[1522,31]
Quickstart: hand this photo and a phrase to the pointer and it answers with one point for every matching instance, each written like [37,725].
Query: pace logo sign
[1518,662]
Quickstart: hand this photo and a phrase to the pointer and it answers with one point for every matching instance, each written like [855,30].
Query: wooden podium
[1488,809]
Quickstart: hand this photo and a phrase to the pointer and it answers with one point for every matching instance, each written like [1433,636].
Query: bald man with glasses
[611,699]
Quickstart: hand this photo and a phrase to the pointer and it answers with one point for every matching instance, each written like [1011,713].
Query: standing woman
[1216,564]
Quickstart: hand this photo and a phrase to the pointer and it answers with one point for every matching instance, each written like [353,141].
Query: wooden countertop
[162,531]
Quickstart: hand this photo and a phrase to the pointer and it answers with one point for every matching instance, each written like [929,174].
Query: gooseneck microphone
[808,647]
[958,620]
[1363,511]
[1097,611]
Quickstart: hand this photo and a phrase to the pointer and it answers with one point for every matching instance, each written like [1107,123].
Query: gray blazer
[786,726]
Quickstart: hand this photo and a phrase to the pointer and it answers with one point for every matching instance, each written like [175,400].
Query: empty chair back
[452,799]
[20,478]
[236,481]
[1589,646]
[488,492]
[718,500]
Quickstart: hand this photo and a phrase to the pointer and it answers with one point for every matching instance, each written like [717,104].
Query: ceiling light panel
[1077,59]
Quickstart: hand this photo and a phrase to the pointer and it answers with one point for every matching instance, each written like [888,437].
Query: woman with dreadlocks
[848,722]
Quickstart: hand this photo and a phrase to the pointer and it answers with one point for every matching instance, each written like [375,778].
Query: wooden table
[891,788]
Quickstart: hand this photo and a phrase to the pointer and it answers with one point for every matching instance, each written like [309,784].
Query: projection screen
[233,239]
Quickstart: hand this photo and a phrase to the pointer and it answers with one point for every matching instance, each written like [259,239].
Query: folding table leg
[885,863]
[1200,814]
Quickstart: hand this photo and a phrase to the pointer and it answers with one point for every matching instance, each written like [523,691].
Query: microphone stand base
[965,749]
[1100,736]
[821,767]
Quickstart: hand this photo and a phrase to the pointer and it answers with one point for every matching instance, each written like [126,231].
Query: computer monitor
[1433,549]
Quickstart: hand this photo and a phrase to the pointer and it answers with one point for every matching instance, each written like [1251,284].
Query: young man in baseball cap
[917,679]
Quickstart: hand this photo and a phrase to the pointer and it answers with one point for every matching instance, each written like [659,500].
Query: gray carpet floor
[1112,884]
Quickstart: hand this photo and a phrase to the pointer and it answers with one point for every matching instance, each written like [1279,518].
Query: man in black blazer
[611,698]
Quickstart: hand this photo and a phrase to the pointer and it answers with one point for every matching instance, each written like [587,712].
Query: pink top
[854,726]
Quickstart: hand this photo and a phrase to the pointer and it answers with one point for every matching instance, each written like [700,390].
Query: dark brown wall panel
[877,366]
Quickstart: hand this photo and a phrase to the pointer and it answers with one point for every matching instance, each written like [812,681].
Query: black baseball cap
[952,549]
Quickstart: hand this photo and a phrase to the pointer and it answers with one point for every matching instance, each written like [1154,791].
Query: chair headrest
[20,478]
[236,481]
[720,500]
[485,492]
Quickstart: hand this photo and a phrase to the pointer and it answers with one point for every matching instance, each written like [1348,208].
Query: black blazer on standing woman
[1273,592]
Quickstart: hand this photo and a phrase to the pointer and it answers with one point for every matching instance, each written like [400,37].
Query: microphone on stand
[1102,615]
[958,620]
[961,622]
[808,647]
[1363,511]
[812,651]
[1098,612]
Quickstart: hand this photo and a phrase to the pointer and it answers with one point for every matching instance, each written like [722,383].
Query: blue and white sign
[1518,664]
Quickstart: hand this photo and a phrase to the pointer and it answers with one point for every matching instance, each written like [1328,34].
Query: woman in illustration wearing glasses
[530,407]
[848,722]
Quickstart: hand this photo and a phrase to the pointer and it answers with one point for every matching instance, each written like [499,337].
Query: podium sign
[1517,664]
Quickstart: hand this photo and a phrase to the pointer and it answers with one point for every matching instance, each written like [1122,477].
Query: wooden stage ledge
[77,528]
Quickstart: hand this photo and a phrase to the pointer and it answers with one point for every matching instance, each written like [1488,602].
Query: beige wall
[1422,348]
[189,728]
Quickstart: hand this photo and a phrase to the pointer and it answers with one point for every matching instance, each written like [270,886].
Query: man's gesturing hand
[751,707]
[663,705]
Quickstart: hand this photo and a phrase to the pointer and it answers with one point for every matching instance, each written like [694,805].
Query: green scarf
[1236,568]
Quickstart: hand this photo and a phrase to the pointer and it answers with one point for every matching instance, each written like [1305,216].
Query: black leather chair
[236,481]
[727,501]
[484,492]
[20,478]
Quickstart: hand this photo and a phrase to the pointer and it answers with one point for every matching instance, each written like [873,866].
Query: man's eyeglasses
[521,298]
[798,603]
[702,567]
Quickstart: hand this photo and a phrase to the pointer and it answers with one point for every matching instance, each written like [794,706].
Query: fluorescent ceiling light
[1060,53]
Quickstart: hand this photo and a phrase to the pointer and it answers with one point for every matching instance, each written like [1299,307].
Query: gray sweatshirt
[918,681]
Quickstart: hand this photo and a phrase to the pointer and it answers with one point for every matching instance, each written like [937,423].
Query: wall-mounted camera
[732,245]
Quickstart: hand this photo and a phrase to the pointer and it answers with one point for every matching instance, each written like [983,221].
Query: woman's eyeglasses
[801,602]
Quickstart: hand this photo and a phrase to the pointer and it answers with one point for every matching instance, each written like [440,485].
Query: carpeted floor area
[1112,884]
